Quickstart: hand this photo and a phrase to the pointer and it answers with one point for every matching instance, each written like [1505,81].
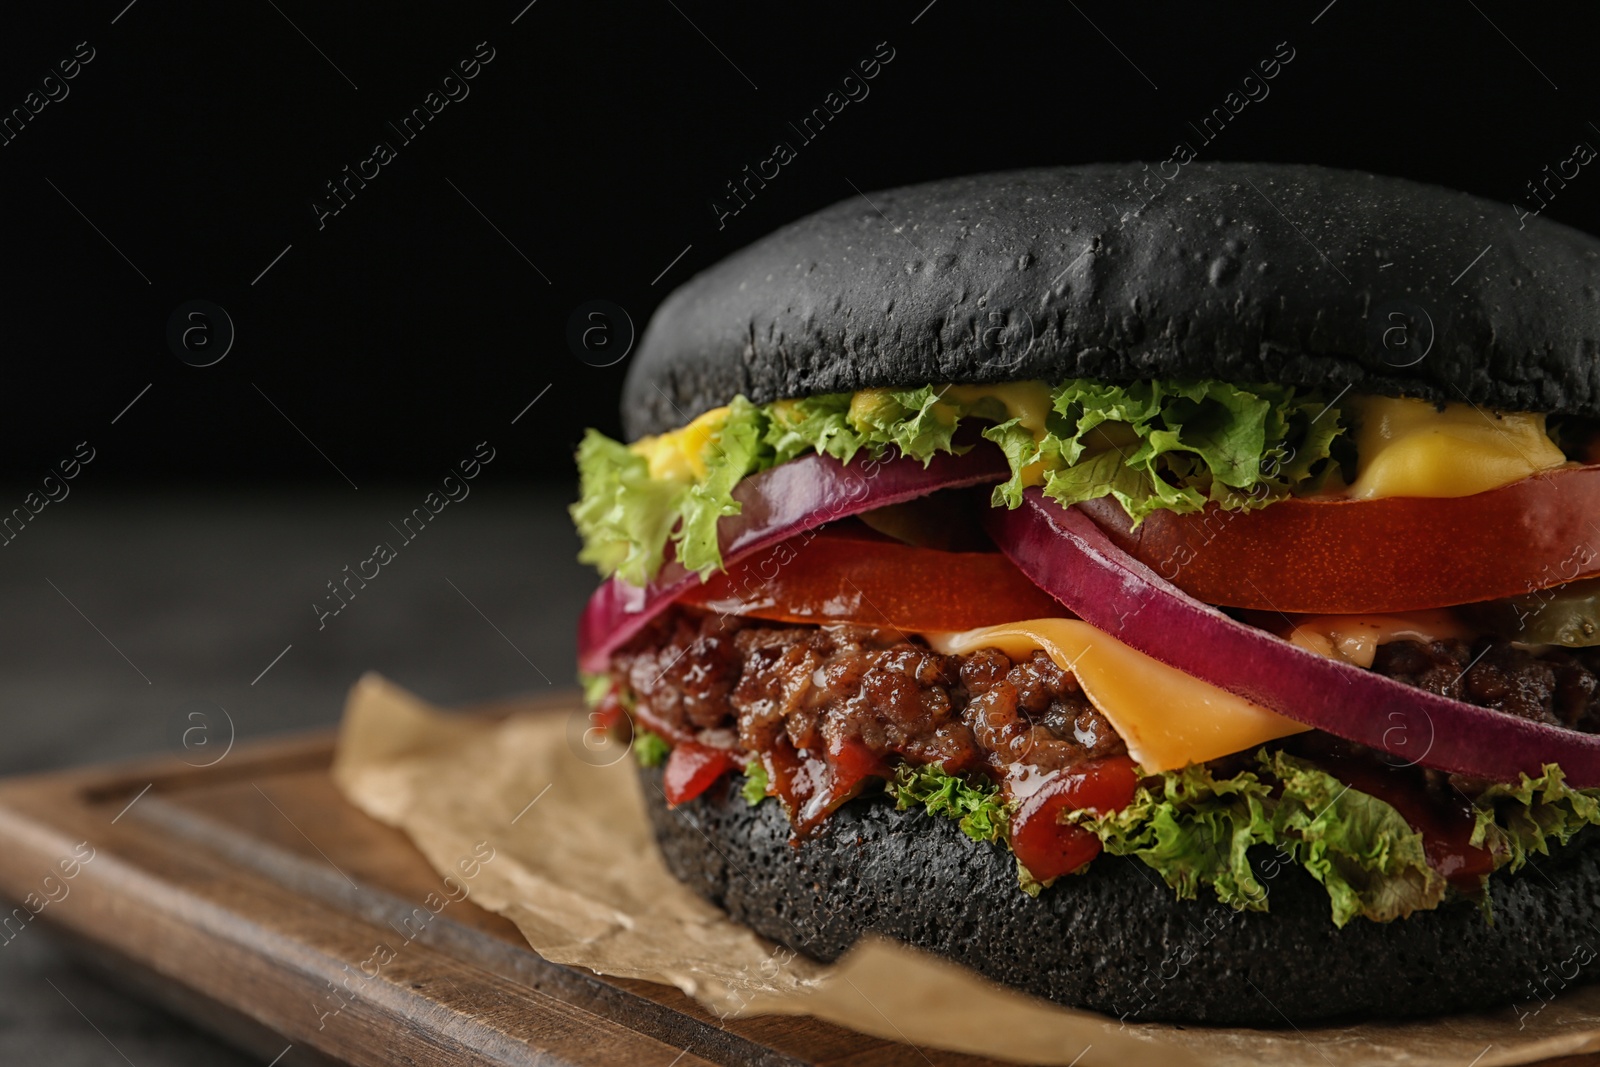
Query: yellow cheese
[1411,448]
[1027,402]
[869,407]
[1167,718]
[1355,638]
[679,455]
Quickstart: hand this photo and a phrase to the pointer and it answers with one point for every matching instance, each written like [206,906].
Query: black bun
[1249,272]
[1115,939]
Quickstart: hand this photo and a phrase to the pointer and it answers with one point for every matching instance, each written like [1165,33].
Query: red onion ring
[775,505]
[1074,561]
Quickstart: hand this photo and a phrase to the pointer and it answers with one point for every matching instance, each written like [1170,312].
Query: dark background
[182,571]
[407,328]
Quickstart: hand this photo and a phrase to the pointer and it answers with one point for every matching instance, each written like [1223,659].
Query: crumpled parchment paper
[574,866]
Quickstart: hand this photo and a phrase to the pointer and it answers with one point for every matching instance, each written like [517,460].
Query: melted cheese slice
[1027,402]
[1411,448]
[1167,718]
[1355,638]
[679,455]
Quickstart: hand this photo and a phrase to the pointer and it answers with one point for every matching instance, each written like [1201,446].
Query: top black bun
[1242,271]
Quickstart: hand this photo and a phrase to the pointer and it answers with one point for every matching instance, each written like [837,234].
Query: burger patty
[772,682]
[752,684]
[1554,686]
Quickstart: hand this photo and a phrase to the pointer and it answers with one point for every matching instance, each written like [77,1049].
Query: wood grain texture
[247,896]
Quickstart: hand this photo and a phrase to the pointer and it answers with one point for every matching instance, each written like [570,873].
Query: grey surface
[198,594]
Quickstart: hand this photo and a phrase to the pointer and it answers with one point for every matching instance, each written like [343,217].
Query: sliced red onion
[775,505]
[1074,561]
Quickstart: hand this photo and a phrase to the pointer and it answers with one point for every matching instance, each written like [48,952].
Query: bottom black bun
[1117,940]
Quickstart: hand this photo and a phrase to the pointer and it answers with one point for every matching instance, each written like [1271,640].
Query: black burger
[1178,604]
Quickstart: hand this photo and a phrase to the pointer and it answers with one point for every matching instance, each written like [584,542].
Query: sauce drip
[812,785]
[1445,820]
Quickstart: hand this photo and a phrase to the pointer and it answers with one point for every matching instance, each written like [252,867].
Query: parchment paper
[574,865]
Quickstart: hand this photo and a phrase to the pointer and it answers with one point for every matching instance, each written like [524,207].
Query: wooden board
[246,896]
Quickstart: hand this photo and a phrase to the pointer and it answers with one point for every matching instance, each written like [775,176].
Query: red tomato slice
[852,763]
[855,575]
[609,713]
[691,768]
[1394,554]
[1042,843]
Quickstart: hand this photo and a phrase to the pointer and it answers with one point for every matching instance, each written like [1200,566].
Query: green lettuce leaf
[626,518]
[1197,830]
[736,450]
[1361,849]
[1516,820]
[755,783]
[1179,445]
[651,750]
[623,515]
[1020,449]
[596,687]
[1100,474]
[975,805]
[1194,830]
[916,421]
[814,424]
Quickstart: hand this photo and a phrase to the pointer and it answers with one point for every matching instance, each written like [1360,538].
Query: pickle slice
[1563,615]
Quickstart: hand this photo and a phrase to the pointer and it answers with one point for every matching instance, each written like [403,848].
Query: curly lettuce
[1149,445]
[975,804]
[623,514]
[1197,831]
[628,514]
[1232,835]
[1177,446]
[649,749]
[1518,820]
[1194,830]
[754,789]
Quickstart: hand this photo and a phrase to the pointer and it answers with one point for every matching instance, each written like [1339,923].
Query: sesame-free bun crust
[1249,272]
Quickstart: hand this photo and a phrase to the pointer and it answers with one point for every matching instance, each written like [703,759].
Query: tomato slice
[853,574]
[609,713]
[852,763]
[1394,554]
[1050,849]
[691,769]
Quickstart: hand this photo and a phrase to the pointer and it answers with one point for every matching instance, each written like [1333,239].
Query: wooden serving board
[245,895]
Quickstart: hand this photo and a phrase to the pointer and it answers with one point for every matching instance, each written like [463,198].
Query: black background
[407,329]
[195,558]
